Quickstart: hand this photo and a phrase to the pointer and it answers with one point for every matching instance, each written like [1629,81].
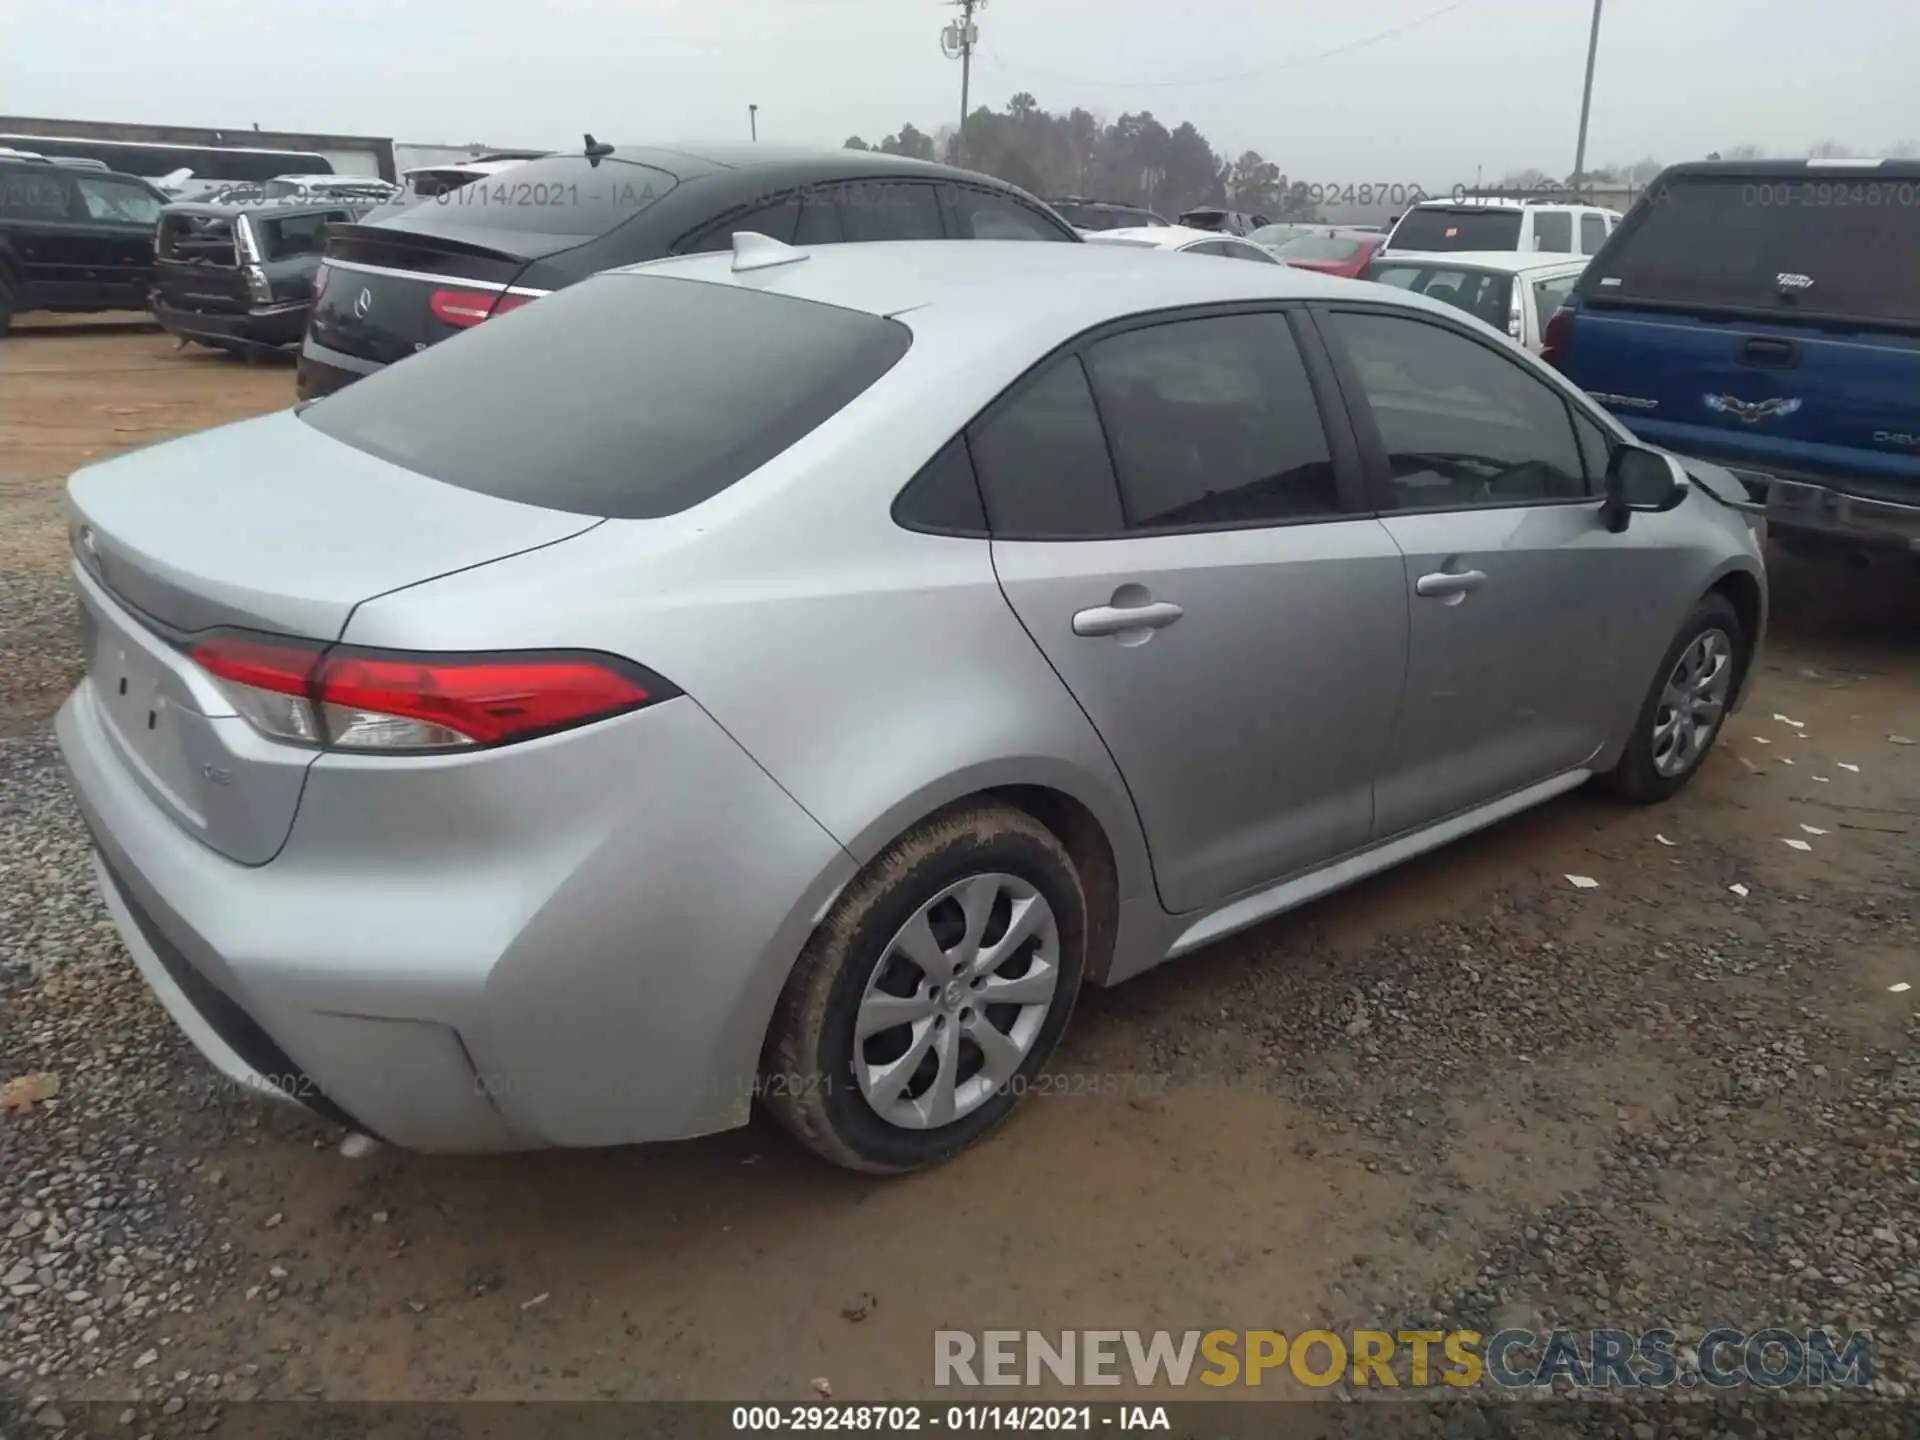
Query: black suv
[73,239]
[239,277]
[404,280]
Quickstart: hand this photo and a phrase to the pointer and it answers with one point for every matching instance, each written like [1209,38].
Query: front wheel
[930,996]
[1684,712]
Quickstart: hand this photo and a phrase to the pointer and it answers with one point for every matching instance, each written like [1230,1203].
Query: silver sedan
[791,676]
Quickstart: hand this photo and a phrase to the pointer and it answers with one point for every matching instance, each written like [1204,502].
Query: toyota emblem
[362,303]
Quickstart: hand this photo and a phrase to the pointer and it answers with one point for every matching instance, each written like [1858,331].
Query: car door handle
[1119,619]
[1444,583]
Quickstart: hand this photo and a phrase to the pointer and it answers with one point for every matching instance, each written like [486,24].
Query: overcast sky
[1490,82]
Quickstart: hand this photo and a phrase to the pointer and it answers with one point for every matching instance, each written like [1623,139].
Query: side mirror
[1641,479]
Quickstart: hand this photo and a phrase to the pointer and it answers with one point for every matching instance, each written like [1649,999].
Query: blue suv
[1765,316]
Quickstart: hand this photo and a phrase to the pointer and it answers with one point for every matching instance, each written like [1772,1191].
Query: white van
[1482,222]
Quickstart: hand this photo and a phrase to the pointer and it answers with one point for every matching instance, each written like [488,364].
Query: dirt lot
[1466,1093]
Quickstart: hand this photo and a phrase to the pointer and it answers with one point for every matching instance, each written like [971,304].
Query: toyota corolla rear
[458,896]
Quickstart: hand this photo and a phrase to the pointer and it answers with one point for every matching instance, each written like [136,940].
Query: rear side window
[293,235]
[1553,231]
[1823,244]
[592,400]
[1593,233]
[870,210]
[1043,462]
[777,221]
[1213,422]
[34,195]
[1464,227]
[560,195]
[1550,295]
[944,497]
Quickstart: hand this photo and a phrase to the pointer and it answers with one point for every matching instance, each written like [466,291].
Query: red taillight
[512,302]
[395,701]
[1553,339]
[462,307]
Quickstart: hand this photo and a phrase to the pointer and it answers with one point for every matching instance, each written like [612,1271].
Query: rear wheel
[1687,706]
[935,989]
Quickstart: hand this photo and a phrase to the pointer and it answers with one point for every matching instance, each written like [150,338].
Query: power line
[1278,65]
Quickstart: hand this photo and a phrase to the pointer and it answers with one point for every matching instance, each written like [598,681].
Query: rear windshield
[560,195]
[1205,220]
[1825,245]
[206,239]
[1485,294]
[1467,227]
[285,236]
[1320,247]
[630,396]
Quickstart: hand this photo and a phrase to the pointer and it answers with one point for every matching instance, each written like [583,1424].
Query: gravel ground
[1465,1094]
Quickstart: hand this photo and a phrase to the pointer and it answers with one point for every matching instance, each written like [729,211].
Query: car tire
[950,892]
[1703,667]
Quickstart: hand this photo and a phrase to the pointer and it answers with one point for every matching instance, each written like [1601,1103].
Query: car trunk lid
[198,264]
[376,294]
[191,536]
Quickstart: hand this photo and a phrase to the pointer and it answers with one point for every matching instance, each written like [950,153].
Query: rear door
[112,235]
[1201,573]
[1765,323]
[36,202]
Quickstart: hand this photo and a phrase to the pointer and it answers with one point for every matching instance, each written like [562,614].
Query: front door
[1489,482]
[1197,573]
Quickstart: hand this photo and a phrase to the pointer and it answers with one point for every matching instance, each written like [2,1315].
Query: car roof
[1161,237]
[801,163]
[1015,288]
[271,209]
[1512,261]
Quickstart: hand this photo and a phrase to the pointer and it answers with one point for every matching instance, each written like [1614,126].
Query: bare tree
[1904,149]
[1831,150]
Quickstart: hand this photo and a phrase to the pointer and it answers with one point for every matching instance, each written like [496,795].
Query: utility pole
[753,121]
[1586,99]
[957,42]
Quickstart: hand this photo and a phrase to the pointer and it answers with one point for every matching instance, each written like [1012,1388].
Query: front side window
[117,202]
[1461,425]
[1043,463]
[1213,422]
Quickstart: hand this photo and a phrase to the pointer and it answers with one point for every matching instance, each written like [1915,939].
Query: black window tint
[1213,422]
[980,216]
[295,234]
[1595,450]
[1553,231]
[1709,241]
[595,401]
[1593,233]
[1043,461]
[889,210]
[560,195]
[34,195]
[1461,424]
[1464,227]
[117,202]
[777,221]
[944,496]
[819,219]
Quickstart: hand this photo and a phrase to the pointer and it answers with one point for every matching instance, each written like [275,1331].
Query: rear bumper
[267,327]
[485,952]
[1815,506]
[322,371]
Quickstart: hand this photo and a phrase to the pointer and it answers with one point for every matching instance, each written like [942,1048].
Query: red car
[1332,251]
